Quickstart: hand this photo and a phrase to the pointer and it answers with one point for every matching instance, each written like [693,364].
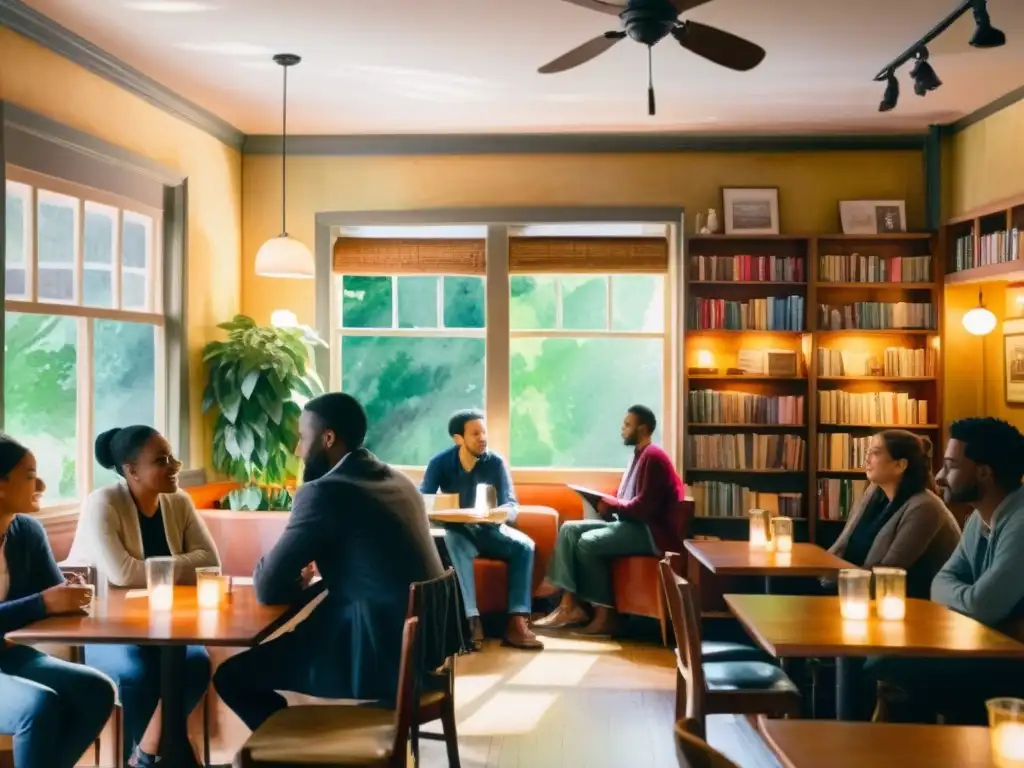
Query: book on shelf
[905,362]
[744,268]
[841,450]
[710,406]
[836,406]
[994,248]
[773,313]
[866,268]
[712,498]
[877,316]
[746,452]
[838,496]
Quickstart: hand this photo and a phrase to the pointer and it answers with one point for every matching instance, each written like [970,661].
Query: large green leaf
[249,383]
[231,442]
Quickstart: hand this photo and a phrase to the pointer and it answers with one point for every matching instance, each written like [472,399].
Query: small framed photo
[873,217]
[751,211]
[1013,360]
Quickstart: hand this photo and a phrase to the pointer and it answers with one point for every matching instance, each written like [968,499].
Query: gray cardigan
[921,535]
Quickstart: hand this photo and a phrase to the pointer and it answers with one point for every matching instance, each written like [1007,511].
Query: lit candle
[1008,745]
[892,608]
[759,529]
[891,593]
[209,590]
[161,597]
[854,594]
[782,534]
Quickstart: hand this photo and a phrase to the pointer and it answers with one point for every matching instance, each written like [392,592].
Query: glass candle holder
[782,533]
[890,593]
[854,593]
[208,586]
[160,583]
[759,533]
[1006,726]
[486,498]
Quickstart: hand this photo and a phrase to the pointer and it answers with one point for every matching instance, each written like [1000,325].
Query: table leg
[175,748]
[767,585]
[848,673]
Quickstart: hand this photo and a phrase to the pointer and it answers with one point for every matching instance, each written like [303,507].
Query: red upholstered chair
[636,581]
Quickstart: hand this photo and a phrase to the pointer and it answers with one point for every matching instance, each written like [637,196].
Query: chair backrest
[408,671]
[436,604]
[681,518]
[697,753]
[683,614]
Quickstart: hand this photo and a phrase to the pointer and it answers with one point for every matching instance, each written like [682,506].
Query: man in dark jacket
[365,527]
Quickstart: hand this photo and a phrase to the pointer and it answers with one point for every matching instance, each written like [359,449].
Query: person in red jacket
[637,521]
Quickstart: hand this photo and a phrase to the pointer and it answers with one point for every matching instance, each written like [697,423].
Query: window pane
[135,239]
[532,304]
[366,302]
[463,302]
[133,291]
[585,303]
[56,228]
[417,302]
[40,375]
[97,290]
[15,233]
[56,284]
[15,283]
[410,387]
[569,397]
[638,303]
[124,380]
[98,245]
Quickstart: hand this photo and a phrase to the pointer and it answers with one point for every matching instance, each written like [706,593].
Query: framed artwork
[751,211]
[1013,360]
[873,217]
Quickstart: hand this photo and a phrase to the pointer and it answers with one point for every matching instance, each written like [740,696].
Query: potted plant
[253,380]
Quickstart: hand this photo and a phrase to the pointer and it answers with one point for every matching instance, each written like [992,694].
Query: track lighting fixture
[892,93]
[925,79]
[923,75]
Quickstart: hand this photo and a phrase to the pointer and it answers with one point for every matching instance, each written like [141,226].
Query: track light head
[985,35]
[923,75]
[892,93]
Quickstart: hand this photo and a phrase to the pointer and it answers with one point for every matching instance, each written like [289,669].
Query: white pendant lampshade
[284,256]
[979,321]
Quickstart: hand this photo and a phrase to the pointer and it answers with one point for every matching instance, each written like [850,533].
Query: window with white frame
[584,348]
[84,348]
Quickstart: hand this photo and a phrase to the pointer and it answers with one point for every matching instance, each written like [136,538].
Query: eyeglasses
[166,461]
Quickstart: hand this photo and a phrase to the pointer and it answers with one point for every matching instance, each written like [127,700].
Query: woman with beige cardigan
[900,522]
[145,515]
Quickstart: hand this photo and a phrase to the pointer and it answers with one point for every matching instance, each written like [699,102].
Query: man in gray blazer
[365,527]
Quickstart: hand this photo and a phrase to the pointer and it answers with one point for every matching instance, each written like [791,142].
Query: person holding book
[900,522]
[460,469]
[636,521]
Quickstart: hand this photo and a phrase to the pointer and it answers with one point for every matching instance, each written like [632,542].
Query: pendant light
[979,321]
[284,256]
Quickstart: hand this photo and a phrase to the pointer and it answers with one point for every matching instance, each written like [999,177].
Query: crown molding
[29,23]
[1004,101]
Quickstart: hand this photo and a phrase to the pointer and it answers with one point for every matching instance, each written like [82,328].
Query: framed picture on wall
[751,211]
[1013,360]
[873,217]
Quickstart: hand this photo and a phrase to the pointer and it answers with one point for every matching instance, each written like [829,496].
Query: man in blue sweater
[984,578]
[460,469]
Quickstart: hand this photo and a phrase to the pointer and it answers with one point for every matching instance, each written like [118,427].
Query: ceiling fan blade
[601,6]
[682,6]
[719,46]
[583,53]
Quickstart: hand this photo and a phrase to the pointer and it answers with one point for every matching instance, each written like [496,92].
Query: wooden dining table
[793,626]
[820,743]
[123,617]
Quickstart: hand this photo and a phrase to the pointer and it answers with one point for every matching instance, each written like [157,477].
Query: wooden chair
[332,736]
[720,687]
[694,752]
[437,605]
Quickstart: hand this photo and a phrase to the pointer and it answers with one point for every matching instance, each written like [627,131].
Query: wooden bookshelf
[723,346]
[994,236]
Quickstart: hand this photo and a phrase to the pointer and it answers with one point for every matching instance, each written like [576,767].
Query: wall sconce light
[284,318]
[979,321]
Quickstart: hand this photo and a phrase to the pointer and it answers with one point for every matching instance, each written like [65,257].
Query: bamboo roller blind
[527,255]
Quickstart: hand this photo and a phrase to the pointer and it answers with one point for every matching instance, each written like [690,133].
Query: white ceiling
[470,66]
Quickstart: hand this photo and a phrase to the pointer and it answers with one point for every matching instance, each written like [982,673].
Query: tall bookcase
[835,272]
[986,245]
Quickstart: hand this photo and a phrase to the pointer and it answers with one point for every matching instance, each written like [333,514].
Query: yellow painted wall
[810,187]
[987,162]
[37,79]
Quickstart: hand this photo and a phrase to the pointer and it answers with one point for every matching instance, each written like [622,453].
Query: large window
[83,349]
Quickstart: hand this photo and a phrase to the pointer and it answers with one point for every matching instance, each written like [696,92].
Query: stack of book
[902,362]
[710,406]
[861,268]
[774,313]
[746,452]
[839,450]
[838,497]
[742,268]
[717,499]
[876,315]
[895,408]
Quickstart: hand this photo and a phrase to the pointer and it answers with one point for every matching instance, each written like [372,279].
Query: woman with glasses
[54,709]
[144,515]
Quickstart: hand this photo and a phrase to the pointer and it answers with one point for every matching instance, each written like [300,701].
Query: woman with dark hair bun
[145,515]
[53,708]
[900,522]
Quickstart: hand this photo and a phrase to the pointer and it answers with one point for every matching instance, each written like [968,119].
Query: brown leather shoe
[526,641]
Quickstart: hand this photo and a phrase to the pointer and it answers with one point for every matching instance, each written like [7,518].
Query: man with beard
[636,522]
[460,469]
[365,527]
[984,578]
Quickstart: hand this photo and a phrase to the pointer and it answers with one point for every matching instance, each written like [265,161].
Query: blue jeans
[467,542]
[53,708]
[136,671]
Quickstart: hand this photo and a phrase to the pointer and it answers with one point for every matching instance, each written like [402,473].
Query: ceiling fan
[648,22]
